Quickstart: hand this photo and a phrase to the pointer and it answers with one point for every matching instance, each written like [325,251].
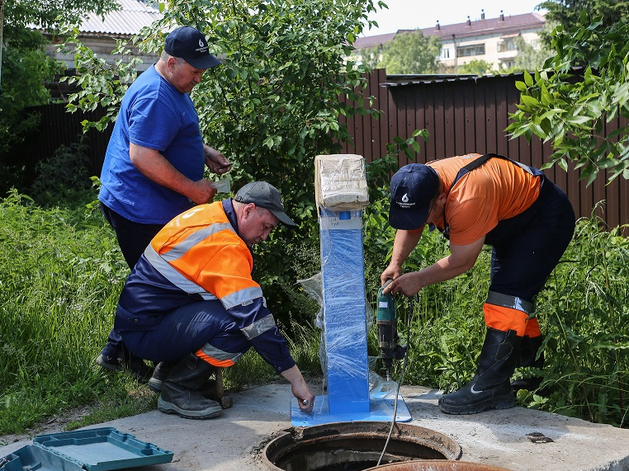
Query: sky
[412,14]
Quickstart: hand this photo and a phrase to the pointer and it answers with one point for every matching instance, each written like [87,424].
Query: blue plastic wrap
[341,193]
[345,319]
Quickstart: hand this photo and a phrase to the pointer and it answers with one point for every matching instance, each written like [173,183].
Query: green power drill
[386,320]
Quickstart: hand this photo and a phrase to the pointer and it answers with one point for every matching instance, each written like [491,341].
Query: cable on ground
[401,377]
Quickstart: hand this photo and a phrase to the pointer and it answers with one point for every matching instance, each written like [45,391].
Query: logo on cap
[202,46]
[405,202]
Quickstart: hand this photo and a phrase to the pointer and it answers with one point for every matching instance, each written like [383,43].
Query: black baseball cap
[412,188]
[190,45]
[266,196]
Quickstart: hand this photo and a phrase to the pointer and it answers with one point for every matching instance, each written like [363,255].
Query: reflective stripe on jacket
[200,252]
[199,255]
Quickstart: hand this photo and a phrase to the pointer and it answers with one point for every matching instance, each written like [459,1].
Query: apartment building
[493,40]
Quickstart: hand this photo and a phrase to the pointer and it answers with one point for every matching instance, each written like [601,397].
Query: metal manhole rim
[408,433]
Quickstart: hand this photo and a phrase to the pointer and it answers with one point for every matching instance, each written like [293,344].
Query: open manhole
[355,446]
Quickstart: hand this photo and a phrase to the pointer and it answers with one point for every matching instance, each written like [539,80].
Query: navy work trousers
[132,238]
[186,330]
[527,248]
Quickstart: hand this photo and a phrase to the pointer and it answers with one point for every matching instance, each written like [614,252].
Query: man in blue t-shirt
[155,160]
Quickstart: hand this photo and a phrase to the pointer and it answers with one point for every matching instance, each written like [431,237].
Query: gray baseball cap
[266,196]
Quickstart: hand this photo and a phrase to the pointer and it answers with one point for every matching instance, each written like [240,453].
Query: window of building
[471,50]
[445,53]
[507,45]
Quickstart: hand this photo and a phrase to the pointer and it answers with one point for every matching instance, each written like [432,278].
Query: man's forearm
[405,242]
[154,166]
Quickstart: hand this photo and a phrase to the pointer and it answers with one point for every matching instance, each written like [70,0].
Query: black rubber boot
[160,373]
[119,358]
[208,390]
[490,387]
[181,390]
[528,358]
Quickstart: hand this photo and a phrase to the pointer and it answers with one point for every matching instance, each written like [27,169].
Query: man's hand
[408,284]
[300,389]
[390,273]
[216,161]
[203,192]
[405,242]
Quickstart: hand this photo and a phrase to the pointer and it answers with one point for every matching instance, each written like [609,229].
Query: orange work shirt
[493,192]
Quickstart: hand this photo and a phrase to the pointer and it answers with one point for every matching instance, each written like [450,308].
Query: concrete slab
[233,442]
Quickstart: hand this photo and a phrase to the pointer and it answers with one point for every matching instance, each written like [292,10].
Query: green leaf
[521,86]
[578,119]
[529,101]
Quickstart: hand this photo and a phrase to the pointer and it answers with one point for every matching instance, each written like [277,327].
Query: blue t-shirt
[153,114]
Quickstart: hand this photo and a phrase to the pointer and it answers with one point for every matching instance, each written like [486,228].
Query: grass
[60,278]
[587,322]
[61,273]
[583,313]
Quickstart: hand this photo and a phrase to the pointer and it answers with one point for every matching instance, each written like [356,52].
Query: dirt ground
[53,425]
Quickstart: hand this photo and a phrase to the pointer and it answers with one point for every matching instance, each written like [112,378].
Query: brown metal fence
[462,115]
[470,115]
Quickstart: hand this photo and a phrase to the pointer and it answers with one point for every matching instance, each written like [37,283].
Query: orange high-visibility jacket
[199,255]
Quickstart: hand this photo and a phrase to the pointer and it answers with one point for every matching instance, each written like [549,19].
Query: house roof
[505,25]
[128,21]
[373,41]
[501,25]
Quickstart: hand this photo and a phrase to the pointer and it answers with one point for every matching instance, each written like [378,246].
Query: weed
[64,176]
[60,278]
[61,273]
[584,313]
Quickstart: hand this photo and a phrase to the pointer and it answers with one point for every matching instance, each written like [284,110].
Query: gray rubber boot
[490,387]
[181,390]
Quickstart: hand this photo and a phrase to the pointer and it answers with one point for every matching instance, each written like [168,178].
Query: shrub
[64,176]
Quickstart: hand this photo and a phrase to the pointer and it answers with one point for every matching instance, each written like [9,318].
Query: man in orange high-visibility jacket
[191,304]
[475,200]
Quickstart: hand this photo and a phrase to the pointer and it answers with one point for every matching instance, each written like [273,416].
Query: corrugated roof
[403,80]
[128,21]
[373,41]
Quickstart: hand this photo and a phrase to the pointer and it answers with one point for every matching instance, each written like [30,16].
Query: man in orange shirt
[191,304]
[475,200]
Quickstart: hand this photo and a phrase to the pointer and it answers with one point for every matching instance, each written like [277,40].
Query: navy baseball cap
[190,45]
[412,189]
[266,196]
